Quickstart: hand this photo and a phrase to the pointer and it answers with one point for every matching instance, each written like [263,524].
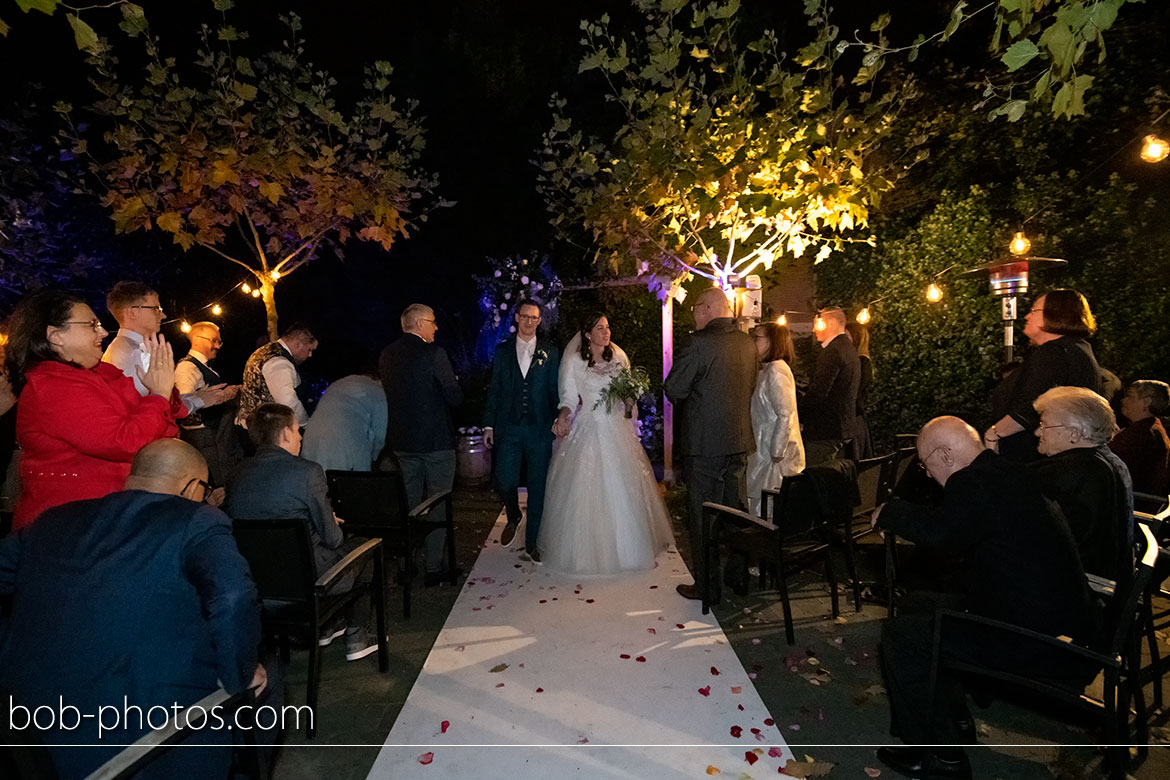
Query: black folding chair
[295,602]
[373,503]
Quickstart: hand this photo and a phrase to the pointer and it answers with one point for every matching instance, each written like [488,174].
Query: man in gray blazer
[713,378]
[277,483]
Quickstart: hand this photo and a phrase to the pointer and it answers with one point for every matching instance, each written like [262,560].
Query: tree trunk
[268,294]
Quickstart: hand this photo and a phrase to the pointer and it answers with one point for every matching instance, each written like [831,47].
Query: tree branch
[225,256]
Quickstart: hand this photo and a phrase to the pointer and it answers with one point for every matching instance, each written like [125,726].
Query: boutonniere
[538,357]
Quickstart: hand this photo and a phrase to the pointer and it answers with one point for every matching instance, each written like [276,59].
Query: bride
[603,512]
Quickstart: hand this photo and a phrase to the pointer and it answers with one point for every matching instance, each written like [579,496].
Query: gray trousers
[424,474]
[722,479]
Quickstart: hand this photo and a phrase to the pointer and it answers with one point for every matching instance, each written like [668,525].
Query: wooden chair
[295,602]
[797,531]
[373,503]
[1115,654]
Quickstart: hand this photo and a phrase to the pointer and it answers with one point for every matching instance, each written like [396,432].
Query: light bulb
[217,309]
[1020,244]
[1154,149]
[255,293]
[863,316]
[275,276]
[245,289]
[934,293]
[185,327]
[782,320]
[818,323]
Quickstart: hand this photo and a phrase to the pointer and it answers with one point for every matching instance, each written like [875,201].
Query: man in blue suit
[123,608]
[522,403]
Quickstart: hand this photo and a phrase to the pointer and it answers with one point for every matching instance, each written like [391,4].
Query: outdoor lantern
[934,293]
[1154,149]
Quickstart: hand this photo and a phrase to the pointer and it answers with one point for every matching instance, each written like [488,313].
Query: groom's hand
[489,437]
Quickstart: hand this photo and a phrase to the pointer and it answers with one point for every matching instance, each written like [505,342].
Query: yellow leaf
[700,54]
[271,190]
[222,173]
[170,221]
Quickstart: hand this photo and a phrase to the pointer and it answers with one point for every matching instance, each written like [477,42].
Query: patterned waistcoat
[254,390]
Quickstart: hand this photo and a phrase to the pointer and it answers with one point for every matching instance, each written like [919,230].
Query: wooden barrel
[473,460]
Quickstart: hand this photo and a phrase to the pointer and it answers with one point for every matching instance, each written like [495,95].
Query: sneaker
[531,554]
[359,643]
[508,535]
[328,636]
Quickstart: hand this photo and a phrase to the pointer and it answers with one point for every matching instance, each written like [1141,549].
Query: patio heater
[1009,279]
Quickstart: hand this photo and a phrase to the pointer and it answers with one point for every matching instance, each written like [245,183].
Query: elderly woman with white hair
[1085,478]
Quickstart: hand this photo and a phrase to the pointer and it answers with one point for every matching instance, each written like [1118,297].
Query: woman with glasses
[79,421]
[779,450]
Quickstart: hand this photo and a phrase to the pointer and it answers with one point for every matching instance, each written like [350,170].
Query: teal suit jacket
[506,392]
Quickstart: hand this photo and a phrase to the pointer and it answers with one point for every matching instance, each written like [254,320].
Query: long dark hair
[28,339]
[1067,313]
[780,341]
[588,324]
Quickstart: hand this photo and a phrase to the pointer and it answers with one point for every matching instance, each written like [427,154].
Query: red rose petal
[588,601]
[679,625]
[652,587]
[755,731]
[540,690]
[774,752]
[714,671]
[869,770]
[750,757]
[499,685]
[769,722]
[736,732]
[544,601]
[740,708]
[706,691]
[641,659]
[652,631]
[426,758]
[444,726]
[624,656]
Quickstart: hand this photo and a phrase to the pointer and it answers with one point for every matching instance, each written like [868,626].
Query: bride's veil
[572,367]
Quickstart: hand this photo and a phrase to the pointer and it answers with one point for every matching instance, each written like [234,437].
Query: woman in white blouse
[779,450]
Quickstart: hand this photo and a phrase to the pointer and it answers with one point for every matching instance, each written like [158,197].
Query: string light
[819,323]
[1020,244]
[245,289]
[217,310]
[863,316]
[782,319]
[934,293]
[185,327]
[255,293]
[1154,149]
[275,276]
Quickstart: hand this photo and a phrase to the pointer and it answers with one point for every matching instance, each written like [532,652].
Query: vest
[207,417]
[254,390]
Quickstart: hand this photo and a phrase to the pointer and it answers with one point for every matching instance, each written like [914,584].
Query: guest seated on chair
[1143,445]
[1083,476]
[133,603]
[276,483]
[1016,562]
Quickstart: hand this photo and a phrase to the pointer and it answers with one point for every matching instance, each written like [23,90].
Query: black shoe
[508,535]
[531,554]
[926,763]
[433,578]
[689,592]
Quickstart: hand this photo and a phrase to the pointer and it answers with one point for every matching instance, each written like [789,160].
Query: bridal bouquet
[627,386]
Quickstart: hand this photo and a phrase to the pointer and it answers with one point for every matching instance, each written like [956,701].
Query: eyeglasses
[426,319]
[528,317]
[214,342]
[923,461]
[1043,427]
[95,324]
[206,489]
[158,309]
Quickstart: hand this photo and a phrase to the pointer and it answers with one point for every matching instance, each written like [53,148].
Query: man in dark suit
[521,406]
[276,483]
[421,392]
[713,377]
[828,411]
[121,604]
[1014,560]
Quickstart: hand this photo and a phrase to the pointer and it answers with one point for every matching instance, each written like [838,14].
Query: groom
[522,403]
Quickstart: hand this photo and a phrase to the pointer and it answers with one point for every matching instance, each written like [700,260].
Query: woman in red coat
[79,421]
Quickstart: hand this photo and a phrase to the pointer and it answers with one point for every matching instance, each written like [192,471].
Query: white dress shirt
[282,378]
[524,352]
[127,353]
[188,377]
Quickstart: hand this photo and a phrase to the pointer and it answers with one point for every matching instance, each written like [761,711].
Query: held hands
[561,426]
[217,394]
[160,377]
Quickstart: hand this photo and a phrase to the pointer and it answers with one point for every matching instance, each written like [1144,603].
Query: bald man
[828,410]
[712,379]
[1014,560]
[136,600]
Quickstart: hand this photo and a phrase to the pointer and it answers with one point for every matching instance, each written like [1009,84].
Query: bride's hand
[561,426]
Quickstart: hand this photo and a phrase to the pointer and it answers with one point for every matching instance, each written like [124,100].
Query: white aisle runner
[541,676]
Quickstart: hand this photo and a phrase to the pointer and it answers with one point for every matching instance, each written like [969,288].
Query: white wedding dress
[603,512]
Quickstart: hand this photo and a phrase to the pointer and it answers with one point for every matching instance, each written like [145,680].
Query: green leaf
[881,23]
[1061,101]
[1061,44]
[244,66]
[83,34]
[1009,5]
[245,91]
[133,20]
[956,19]
[44,6]
[1015,109]
[3,28]
[223,5]
[1019,54]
